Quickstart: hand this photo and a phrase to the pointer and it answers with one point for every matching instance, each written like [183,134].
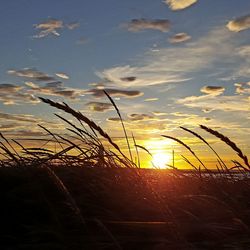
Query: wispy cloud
[212,90]
[140,117]
[49,27]
[99,106]
[62,75]
[53,26]
[136,25]
[175,65]
[179,38]
[19,117]
[239,24]
[212,102]
[242,88]
[179,4]
[31,73]
[73,25]
[115,92]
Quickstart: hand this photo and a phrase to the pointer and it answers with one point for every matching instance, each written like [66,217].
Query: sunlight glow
[160,160]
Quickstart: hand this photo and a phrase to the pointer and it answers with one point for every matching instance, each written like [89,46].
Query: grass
[88,195]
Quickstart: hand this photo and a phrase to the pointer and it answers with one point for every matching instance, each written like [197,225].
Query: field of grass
[98,198]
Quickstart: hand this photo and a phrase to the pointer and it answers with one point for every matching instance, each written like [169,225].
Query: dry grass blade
[187,147]
[137,153]
[119,114]
[202,139]
[141,147]
[83,118]
[228,142]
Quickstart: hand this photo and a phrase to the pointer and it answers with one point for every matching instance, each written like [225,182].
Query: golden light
[160,160]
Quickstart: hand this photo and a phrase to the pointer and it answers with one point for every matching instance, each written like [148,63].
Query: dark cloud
[9,88]
[179,38]
[239,24]
[113,119]
[140,117]
[18,117]
[128,79]
[99,106]
[115,92]
[31,73]
[212,90]
[156,24]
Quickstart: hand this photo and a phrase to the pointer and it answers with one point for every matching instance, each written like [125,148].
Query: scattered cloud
[151,99]
[136,25]
[73,25]
[159,113]
[176,65]
[9,88]
[18,117]
[62,75]
[128,79]
[55,89]
[179,38]
[31,73]
[239,24]
[140,117]
[242,88]
[48,27]
[115,92]
[212,102]
[179,4]
[212,90]
[99,106]
[145,76]
[11,94]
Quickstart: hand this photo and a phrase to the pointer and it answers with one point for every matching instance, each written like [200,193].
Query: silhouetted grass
[95,197]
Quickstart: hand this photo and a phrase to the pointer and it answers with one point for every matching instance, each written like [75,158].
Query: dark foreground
[120,209]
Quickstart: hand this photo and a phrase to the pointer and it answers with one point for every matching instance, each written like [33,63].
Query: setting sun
[160,160]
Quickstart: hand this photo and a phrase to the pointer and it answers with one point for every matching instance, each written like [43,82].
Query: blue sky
[180,67]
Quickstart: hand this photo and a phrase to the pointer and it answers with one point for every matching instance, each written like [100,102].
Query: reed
[228,142]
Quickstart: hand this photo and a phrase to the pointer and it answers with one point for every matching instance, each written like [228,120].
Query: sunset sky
[165,63]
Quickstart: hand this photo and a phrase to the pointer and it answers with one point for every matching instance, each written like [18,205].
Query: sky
[166,64]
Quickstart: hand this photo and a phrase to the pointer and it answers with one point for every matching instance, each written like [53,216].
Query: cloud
[140,117]
[242,88]
[99,106]
[212,90]
[179,38]
[62,75]
[115,92]
[49,27]
[31,73]
[145,75]
[212,102]
[151,99]
[136,25]
[9,88]
[239,24]
[128,79]
[18,117]
[11,94]
[55,89]
[176,65]
[159,113]
[179,4]
[73,25]
[113,119]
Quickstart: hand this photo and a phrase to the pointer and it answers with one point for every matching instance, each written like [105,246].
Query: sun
[160,160]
